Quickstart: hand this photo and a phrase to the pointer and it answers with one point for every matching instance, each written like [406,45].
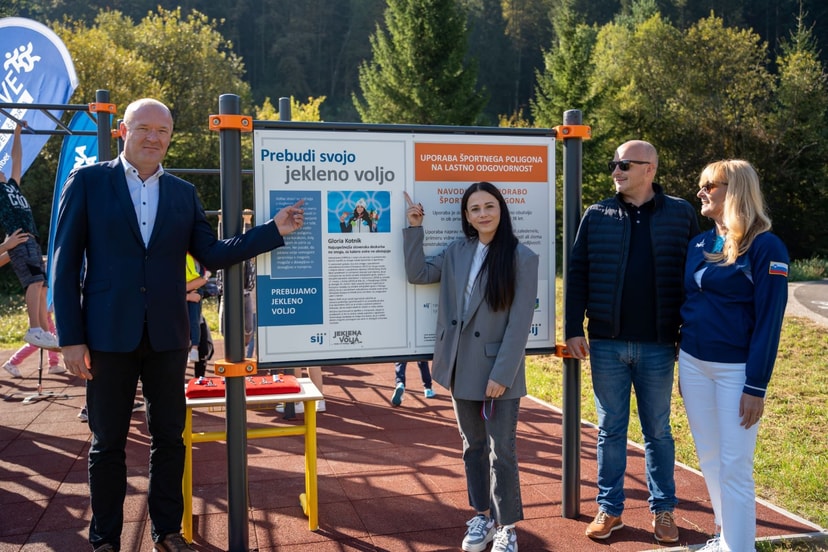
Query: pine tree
[419,73]
[568,69]
[794,171]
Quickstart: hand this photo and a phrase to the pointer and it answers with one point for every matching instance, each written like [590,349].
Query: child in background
[315,375]
[399,377]
[196,277]
[24,352]
[27,257]
[11,366]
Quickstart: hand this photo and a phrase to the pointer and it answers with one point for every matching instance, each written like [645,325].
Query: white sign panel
[337,291]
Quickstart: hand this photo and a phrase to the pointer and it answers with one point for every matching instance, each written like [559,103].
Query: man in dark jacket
[123,230]
[625,274]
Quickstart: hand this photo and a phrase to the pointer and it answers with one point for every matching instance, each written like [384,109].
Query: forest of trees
[314,47]
[702,80]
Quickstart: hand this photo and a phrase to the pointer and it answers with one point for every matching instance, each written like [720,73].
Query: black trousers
[205,349]
[110,396]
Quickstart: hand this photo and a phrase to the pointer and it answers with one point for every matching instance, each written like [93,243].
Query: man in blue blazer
[123,230]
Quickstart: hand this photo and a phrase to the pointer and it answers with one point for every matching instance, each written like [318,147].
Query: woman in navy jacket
[488,287]
[736,285]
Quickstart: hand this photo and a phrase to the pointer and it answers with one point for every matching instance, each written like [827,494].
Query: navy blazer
[107,283]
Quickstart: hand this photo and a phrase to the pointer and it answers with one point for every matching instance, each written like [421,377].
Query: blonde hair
[745,214]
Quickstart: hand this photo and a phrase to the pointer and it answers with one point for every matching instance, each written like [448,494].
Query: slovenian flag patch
[778,268]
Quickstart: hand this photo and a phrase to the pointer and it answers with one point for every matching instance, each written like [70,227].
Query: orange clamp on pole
[561,351]
[243,123]
[227,369]
[96,107]
[573,131]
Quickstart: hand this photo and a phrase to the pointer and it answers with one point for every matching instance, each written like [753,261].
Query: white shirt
[477,264]
[144,194]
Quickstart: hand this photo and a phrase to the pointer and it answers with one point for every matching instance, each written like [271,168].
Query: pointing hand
[414,212]
[290,218]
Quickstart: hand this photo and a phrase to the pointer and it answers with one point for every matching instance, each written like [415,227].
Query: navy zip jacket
[598,263]
[735,315]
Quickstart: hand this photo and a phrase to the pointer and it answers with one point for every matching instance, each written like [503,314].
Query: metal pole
[104,124]
[230,160]
[571,462]
[286,115]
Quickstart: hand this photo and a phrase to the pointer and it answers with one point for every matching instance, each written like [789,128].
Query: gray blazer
[481,344]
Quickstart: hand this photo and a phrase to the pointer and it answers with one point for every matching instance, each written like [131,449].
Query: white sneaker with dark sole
[397,395]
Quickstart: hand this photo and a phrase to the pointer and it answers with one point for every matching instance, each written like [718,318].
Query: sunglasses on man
[624,164]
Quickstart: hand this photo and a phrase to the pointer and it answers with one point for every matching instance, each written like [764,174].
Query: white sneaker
[713,545]
[57,369]
[41,338]
[397,396]
[505,540]
[480,533]
[320,406]
[12,369]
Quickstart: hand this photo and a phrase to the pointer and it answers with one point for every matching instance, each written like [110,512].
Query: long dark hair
[499,266]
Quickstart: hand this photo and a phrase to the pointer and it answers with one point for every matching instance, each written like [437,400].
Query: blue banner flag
[37,69]
[77,151]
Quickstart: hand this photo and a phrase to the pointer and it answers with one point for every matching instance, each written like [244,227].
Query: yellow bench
[308,395]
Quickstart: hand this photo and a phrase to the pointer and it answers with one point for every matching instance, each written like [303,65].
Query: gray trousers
[490,456]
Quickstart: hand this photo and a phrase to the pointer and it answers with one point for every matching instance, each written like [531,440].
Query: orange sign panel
[479,162]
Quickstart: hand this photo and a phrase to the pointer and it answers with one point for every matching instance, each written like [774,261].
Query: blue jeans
[490,457]
[425,373]
[617,366]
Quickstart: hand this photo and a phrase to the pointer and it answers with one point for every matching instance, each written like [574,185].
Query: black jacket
[598,263]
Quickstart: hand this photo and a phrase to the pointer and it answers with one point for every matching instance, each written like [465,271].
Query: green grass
[814,268]
[790,546]
[13,321]
[209,308]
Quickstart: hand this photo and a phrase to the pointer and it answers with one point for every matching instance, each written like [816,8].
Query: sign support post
[236,423]
[573,135]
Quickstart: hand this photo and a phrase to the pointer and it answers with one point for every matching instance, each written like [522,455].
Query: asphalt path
[809,300]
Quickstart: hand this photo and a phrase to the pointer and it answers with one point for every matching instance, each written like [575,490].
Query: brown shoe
[664,527]
[173,542]
[603,525]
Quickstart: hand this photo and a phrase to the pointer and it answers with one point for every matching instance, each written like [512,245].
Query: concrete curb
[816,539]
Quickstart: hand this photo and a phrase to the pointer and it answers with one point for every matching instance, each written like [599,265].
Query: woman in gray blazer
[488,290]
